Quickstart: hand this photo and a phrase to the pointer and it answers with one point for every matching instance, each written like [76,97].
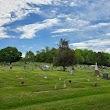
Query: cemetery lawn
[38,93]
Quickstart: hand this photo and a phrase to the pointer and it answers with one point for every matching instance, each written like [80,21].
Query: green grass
[38,93]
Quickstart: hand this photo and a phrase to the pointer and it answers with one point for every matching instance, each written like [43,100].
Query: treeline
[45,55]
[88,57]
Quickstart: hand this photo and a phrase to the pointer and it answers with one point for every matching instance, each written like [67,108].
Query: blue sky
[34,24]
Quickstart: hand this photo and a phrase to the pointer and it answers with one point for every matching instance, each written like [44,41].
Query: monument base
[96,72]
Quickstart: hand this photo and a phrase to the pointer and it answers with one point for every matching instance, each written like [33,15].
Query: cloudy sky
[34,24]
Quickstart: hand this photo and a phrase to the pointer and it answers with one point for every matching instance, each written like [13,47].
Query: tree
[45,56]
[79,59]
[64,56]
[102,58]
[10,54]
[88,56]
[29,56]
[47,49]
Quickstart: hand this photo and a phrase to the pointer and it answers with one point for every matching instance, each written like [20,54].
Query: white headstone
[21,78]
[96,67]
[55,87]
[97,76]
[45,77]
[71,71]
[64,85]
[88,79]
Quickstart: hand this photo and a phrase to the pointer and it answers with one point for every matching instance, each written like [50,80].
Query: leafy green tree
[79,59]
[45,55]
[50,54]
[108,62]
[64,56]
[88,56]
[10,54]
[102,59]
[29,56]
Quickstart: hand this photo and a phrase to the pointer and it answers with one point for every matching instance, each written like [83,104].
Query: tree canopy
[85,56]
[64,56]
[29,56]
[61,56]
[10,54]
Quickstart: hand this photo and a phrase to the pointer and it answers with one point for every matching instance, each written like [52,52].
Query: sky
[31,25]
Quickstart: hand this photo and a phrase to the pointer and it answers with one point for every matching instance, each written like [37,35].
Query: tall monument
[96,70]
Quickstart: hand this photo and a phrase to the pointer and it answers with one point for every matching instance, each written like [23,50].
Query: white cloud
[96,45]
[3,33]
[13,10]
[108,34]
[30,30]
[99,25]
[60,35]
[94,9]
[65,30]
[76,22]
[57,2]
[71,20]
[44,2]
[72,4]
[19,8]
[107,50]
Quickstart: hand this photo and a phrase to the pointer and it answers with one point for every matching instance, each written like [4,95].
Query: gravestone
[64,85]
[96,70]
[25,65]
[95,84]
[11,66]
[88,79]
[55,86]
[71,71]
[45,77]
[45,67]
[73,68]
[69,81]
[105,75]
[22,80]
[98,77]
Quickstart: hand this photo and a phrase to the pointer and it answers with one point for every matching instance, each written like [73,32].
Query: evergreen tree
[64,56]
